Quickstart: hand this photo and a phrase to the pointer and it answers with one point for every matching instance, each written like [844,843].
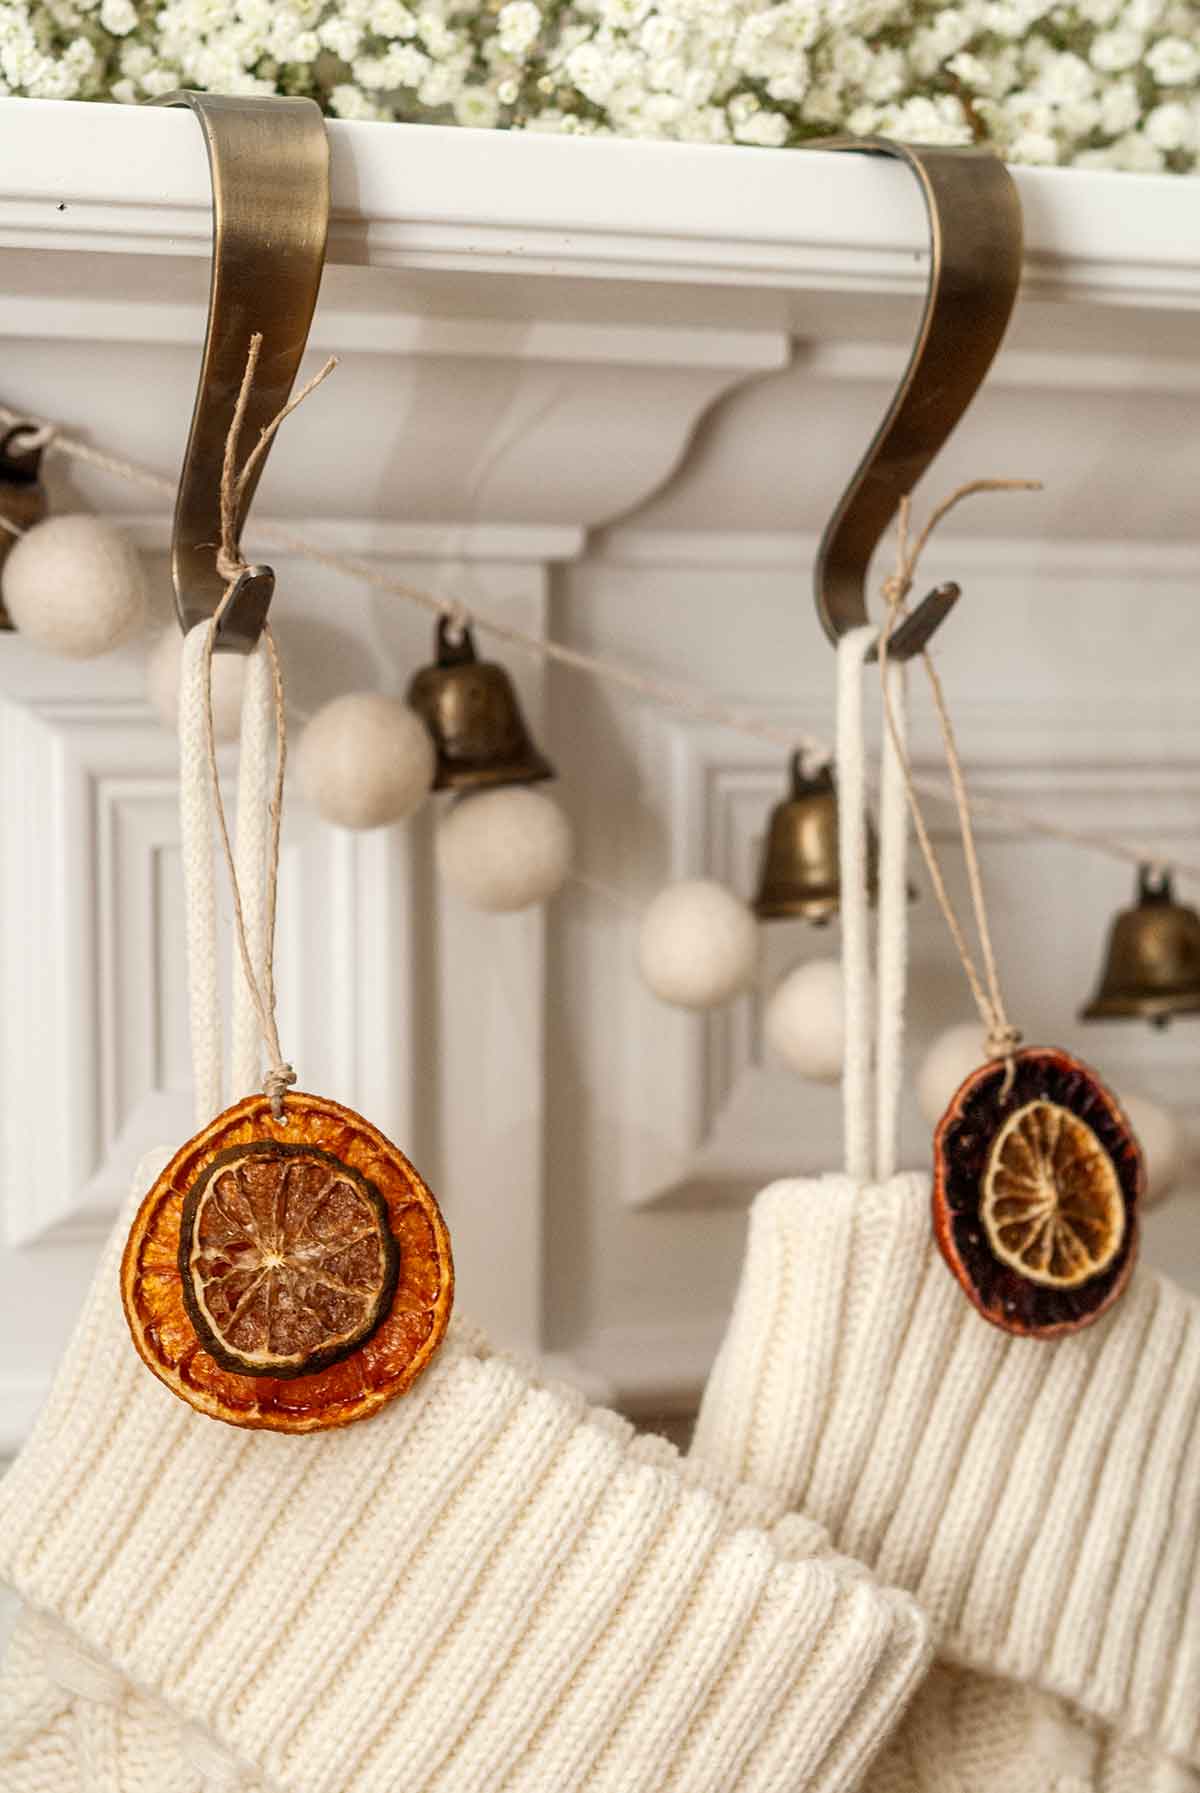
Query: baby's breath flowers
[1092,84]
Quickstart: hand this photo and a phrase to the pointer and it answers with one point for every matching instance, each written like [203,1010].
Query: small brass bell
[470,708]
[1152,967]
[799,876]
[22,499]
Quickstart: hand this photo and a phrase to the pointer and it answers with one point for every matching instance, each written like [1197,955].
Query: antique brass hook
[269,163]
[975,237]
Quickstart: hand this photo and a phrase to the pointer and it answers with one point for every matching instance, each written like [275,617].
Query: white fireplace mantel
[608,390]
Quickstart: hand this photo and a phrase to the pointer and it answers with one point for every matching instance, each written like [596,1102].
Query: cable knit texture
[1038,1498]
[488,1586]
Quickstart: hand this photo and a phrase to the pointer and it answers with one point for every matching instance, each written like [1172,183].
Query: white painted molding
[765,550]
[133,181]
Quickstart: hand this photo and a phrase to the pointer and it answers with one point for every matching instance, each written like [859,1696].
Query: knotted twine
[1003,1038]
[231,564]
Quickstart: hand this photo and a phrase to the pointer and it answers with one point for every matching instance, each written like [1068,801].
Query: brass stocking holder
[975,241]
[269,163]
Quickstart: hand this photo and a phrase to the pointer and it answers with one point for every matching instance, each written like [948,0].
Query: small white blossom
[852,60]
[118,16]
[1120,107]
[1065,79]
[972,71]
[517,26]
[391,18]
[342,36]
[753,123]
[1136,154]
[886,77]
[1038,147]
[1116,50]
[1173,63]
[348,101]
[1173,126]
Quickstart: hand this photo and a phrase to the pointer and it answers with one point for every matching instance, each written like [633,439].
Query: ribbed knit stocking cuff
[486,1586]
[1038,1497]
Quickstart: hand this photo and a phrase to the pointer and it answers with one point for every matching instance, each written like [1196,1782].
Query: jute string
[1003,1038]
[671,694]
[231,564]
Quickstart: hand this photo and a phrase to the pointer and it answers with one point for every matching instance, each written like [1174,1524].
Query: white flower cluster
[1089,83]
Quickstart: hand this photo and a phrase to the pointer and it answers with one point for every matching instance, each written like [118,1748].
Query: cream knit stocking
[487,1588]
[1039,1498]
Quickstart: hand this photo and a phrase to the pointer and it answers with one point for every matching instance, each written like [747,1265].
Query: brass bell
[1152,968]
[22,499]
[470,708]
[799,875]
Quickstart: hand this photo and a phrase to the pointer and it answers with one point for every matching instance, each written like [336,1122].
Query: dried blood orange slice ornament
[1037,1183]
[289,1270]
[1037,1173]
[289,1275]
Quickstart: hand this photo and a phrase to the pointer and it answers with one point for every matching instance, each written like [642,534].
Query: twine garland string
[1003,1038]
[231,564]
[687,700]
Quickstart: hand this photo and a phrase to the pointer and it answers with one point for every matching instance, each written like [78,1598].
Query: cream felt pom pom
[698,945]
[1161,1138]
[947,1065]
[75,585]
[365,760]
[805,1021]
[504,849]
[162,684]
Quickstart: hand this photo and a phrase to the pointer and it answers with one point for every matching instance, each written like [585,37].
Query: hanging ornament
[75,586]
[1037,1173]
[22,496]
[365,761]
[1037,1180]
[504,849]
[805,1020]
[162,685]
[289,1270]
[288,1274]
[1160,1136]
[950,1060]
[698,945]
[1152,965]
[798,877]
[471,710]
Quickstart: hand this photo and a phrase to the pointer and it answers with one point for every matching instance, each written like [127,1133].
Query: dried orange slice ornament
[288,1275]
[1037,1182]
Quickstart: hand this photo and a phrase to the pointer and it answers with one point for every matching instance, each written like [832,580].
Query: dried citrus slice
[1036,1185]
[290,1275]
[1052,1202]
[287,1260]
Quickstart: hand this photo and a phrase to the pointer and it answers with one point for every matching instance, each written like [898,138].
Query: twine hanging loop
[232,566]
[1003,1038]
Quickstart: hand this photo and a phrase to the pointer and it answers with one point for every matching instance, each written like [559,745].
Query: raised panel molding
[712,1117]
[96,1065]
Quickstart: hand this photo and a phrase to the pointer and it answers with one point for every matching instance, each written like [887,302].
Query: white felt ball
[365,760]
[504,849]
[947,1064]
[162,684]
[804,1021]
[1161,1139]
[698,945]
[75,585]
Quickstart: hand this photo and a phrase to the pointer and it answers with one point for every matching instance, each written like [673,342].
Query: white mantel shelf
[425,198]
